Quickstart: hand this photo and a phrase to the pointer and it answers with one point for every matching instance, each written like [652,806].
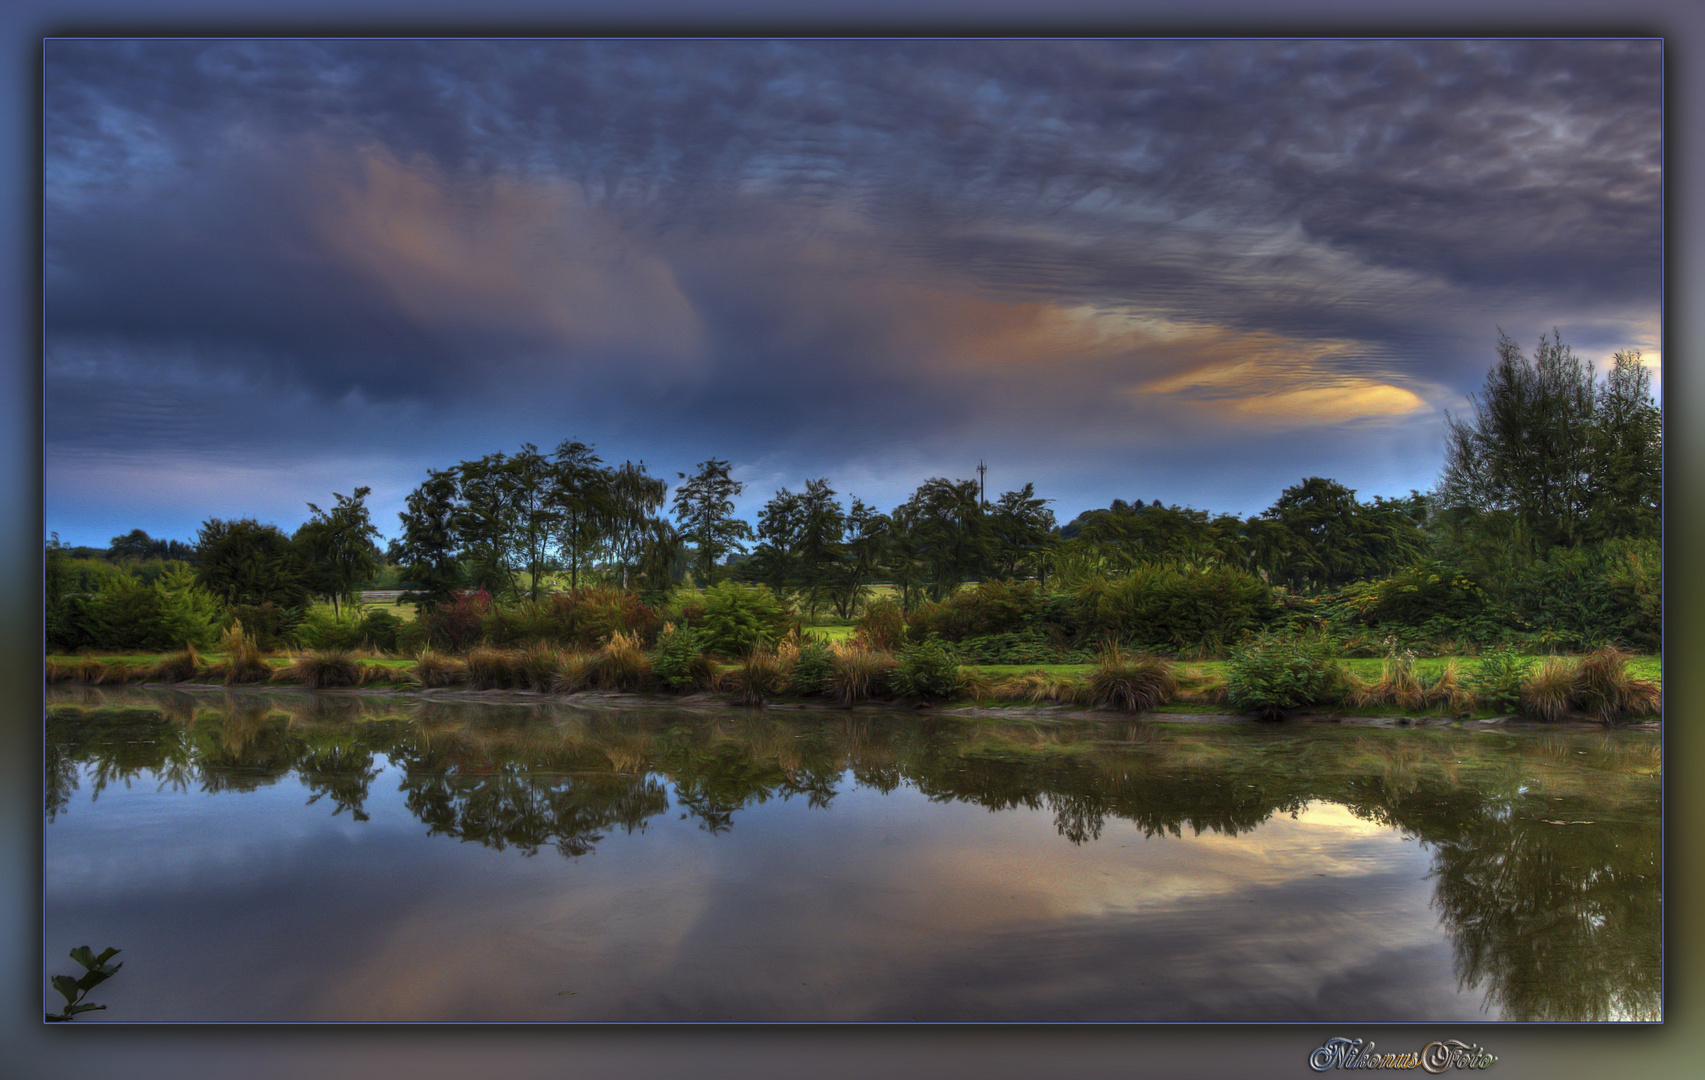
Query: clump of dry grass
[622,664]
[1132,683]
[1603,687]
[433,670]
[756,678]
[179,667]
[976,685]
[1398,686]
[538,663]
[1448,689]
[574,673]
[1547,692]
[86,669]
[857,672]
[1040,687]
[323,669]
[244,661]
[1202,689]
[494,669]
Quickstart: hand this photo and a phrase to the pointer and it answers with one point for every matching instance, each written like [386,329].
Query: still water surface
[306,857]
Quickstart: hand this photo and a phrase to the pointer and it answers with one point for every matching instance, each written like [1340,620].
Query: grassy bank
[1611,687]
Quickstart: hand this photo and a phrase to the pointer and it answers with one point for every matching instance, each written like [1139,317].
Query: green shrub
[1175,608]
[1132,683]
[171,613]
[739,618]
[379,630]
[1273,673]
[678,660]
[926,670]
[989,607]
[322,628]
[1497,684]
[271,625]
[1590,596]
[1029,645]
[812,670]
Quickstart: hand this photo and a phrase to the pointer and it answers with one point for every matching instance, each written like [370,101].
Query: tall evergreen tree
[704,508]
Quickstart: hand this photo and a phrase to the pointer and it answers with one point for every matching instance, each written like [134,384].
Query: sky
[1192,271]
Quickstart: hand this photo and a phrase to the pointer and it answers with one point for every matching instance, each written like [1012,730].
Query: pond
[319,857]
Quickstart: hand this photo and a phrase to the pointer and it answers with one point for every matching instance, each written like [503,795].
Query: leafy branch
[97,971]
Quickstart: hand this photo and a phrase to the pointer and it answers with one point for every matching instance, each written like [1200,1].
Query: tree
[1625,494]
[633,527]
[246,563]
[532,478]
[488,516]
[1023,530]
[1528,446]
[863,541]
[776,560]
[1332,539]
[949,532]
[822,524]
[428,550]
[337,545]
[580,499]
[704,506]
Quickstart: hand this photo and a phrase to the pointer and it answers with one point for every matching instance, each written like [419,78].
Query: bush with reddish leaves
[460,624]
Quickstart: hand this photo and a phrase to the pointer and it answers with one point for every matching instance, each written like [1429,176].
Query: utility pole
[982,495]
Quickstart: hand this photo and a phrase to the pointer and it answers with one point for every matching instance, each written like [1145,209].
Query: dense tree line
[1547,513]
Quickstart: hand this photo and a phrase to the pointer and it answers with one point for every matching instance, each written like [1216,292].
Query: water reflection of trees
[1546,852]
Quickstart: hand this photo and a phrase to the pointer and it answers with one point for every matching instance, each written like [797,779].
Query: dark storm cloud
[758,247]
